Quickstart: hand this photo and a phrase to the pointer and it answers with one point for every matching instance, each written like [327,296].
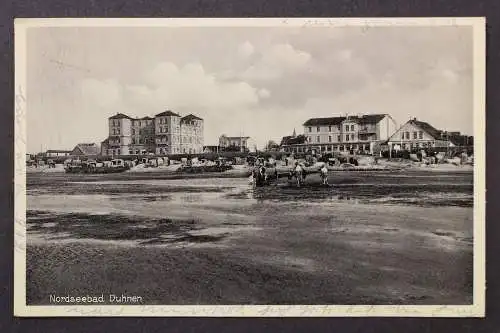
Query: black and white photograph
[250,167]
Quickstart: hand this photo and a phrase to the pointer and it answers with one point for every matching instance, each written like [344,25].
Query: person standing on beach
[324,174]
[298,173]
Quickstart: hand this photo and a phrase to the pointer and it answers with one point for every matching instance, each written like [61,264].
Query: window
[408,135]
[329,138]
[329,128]
[133,131]
[308,139]
[347,137]
[339,127]
[339,138]
[133,141]
[414,135]
[114,131]
[317,129]
[347,128]
[352,128]
[352,137]
[420,135]
[118,131]
[402,135]
[317,138]
[310,129]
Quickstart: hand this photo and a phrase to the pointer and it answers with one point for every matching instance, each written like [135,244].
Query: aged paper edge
[477,309]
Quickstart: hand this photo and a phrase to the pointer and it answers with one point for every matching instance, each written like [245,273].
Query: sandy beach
[384,238]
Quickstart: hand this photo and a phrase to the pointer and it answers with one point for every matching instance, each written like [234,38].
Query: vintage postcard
[250,167]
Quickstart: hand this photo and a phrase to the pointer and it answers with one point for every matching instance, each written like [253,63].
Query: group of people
[298,172]
[260,177]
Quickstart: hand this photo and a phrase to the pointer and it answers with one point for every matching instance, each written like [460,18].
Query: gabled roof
[120,116]
[364,119]
[435,133]
[324,121]
[87,148]
[167,113]
[146,118]
[190,117]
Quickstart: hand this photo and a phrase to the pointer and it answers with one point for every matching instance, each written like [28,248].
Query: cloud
[183,89]
[264,93]
[190,86]
[100,93]
[246,49]
[277,61]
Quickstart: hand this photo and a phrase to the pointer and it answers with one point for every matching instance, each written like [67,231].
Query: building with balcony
[166,133]
[357,134]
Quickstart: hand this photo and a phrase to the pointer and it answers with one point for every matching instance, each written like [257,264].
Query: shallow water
[389,236]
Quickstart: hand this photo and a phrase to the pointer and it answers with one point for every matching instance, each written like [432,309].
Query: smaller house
[293,143]
[210,149]
[86,149]
[233,143]
[416,134]
[57,153]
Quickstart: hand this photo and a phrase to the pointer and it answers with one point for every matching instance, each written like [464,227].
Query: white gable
[410,128]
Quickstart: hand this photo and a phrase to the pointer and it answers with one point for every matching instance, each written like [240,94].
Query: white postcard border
[477,309]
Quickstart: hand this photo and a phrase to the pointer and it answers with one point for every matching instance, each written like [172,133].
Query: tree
[271,146]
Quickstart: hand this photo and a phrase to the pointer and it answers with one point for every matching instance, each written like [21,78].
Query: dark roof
[190,117]
[457,138]
[435,133]
[146,118]
[290,140]
[167,113]
[87,148]
[235,137]
[324,121]
[106,141]
[364,119]
[58,151]
[120,116]
[370,118]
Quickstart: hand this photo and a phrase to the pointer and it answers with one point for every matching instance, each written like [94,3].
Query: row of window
[141,122]
[140,141]
[330,148]
[348,128]
[348,137]
[406,135]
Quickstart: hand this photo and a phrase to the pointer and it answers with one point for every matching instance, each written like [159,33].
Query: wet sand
[393,238]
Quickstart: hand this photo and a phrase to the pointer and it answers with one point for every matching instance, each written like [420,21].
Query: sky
[260,82]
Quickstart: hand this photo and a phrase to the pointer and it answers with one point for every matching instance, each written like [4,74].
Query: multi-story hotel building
[166,133]
[363,134]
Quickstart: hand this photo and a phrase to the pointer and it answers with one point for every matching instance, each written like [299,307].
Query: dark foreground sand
[247,247]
